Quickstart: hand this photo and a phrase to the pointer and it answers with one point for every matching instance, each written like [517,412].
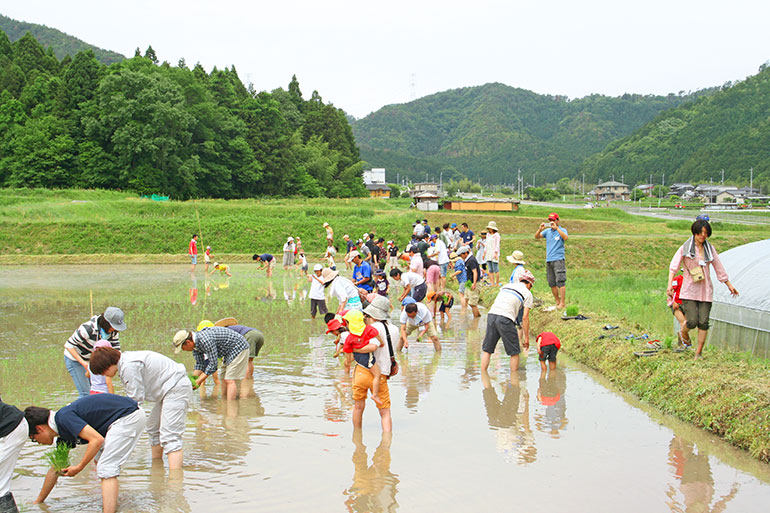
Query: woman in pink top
[696,256]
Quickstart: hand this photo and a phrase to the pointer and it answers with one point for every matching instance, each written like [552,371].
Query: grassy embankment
[617,270]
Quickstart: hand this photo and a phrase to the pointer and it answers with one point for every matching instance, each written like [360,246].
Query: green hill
[61,43]
[490,131]
[728,130]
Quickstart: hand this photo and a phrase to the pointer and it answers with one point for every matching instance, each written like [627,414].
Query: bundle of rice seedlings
[58,457]
[193,380]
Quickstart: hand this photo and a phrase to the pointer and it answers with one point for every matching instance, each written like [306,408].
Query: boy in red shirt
[548,345]
[356,335]
[676,306]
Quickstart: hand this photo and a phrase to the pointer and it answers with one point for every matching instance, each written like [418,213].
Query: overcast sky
[362,55]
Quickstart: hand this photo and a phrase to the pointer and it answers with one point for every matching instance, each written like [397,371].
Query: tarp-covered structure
[742,323]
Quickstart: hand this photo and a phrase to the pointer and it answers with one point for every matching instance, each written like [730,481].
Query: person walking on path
[109,423]
[377,314]
[417,316]
[153,377]
[268,262]
[696,256]
[288,254]
[210,344]
[501,321]
[316,294]
[192,251]
[492,253]
[14,431]
[78,348]
[555,264]
[473,275]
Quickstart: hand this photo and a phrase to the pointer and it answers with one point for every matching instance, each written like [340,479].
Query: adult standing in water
[192,251]
[13,433]
[343,289]
[376,314]
[492,253]
[555,263]
[288,254]
[696,256]
[78,348]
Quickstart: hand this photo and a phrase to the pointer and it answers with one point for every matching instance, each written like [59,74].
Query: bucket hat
[179,338]
[378,309]
[328,275]
[517,257]
[492,226]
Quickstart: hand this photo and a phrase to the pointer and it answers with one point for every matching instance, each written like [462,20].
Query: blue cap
[408,300]
[702,217]
[454,225]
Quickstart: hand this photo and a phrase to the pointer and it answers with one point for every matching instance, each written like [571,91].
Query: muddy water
[462,441]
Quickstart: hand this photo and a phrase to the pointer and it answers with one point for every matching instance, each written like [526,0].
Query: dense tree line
[488,132]
[728,130]
[155,128]
[60,43]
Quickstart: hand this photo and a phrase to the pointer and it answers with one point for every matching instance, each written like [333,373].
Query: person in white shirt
[413,283]
[501,321]
[415,260]
[416,315]
[151,376]
[419,229]
[343,289]
[316,295]
[443,262]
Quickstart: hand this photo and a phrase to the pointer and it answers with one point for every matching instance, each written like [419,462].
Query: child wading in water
[676,306]
[224,269]
[357,336]
[548,344]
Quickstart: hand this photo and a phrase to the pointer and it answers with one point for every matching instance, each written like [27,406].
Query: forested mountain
[728,130]
[155,128]
[490,131]
[62,44]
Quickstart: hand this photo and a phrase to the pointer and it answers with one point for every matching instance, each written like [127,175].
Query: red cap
[332,325]
[553,216]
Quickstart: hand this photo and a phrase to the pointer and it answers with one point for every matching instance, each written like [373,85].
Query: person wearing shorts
[192,250]
[548,344]
[267,260]
[472,288]
[253,336]
[432,277]
[211,344]
[153,377]
[14,431]
[109,423]
[416,315]
[555,264]
[501,321]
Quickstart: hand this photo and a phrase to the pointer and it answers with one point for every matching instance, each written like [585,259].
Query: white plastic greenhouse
[742,323]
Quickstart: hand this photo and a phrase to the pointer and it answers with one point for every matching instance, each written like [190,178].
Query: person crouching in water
[151,376]
[356,337]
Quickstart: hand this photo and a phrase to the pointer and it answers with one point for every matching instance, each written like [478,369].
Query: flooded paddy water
[461,441]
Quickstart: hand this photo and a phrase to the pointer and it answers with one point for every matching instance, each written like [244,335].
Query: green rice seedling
[668,342]
[58,457]
[193,380]
[572,310]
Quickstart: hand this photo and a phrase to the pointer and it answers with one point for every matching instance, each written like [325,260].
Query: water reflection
[509,418]
[696,484]
[417,371]
[374,486]
[193,289]
[166,493]
[552,416]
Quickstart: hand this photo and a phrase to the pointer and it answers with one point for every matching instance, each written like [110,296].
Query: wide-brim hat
[114,316]
[517,257]
[179,338]
[378,309]
[492,226]
[328,275]
[227,321]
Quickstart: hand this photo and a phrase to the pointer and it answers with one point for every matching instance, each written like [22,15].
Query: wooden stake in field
[91,296]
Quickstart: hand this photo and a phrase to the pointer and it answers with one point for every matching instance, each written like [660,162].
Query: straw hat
[328,275]
[227,321]
[517,257]
[492,226]
[179,338]
[378,309]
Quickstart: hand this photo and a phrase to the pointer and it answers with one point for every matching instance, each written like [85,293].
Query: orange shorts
[362,382]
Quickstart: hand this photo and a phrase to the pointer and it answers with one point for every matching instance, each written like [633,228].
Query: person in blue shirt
[467,235]
[362,272]
[556,270]
[110,425]
[268,262]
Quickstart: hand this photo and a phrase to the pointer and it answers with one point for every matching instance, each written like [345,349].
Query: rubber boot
[8,504]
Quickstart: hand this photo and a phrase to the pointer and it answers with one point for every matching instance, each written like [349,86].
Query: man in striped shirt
[210,344]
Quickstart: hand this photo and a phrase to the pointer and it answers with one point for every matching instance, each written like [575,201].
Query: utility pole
[583,186]
[751,182]
[723,176]
[534,175]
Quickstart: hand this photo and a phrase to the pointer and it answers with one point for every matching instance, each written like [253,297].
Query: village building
[611,190]
[374,181]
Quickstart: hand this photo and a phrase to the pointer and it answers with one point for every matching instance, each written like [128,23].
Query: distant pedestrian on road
[555,264]
[696,256]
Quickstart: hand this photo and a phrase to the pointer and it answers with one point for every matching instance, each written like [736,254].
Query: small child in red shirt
[357,335]
[548,344]
[676,306]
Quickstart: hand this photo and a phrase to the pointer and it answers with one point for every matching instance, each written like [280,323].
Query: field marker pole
[91,296]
